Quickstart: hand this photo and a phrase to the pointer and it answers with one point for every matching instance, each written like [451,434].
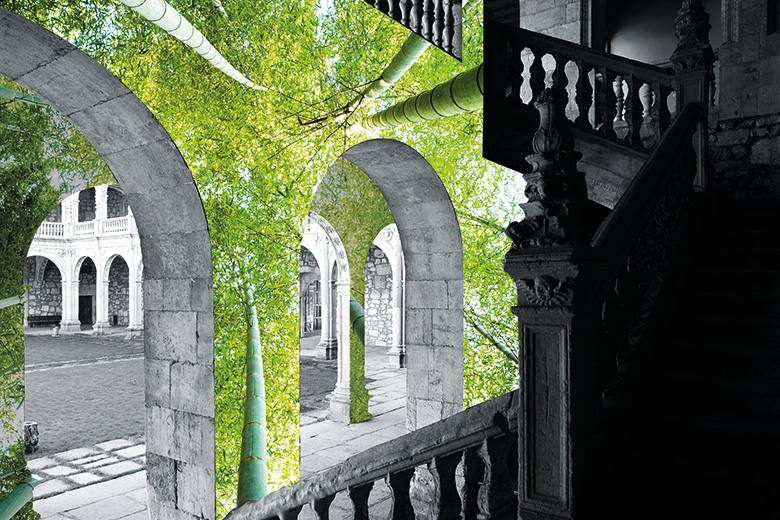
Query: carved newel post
[545,261]
[692,61]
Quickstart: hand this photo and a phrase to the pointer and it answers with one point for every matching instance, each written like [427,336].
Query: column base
[70,327]
[327,349]
[134,332]
[396,357]
[101,328]
[340,404]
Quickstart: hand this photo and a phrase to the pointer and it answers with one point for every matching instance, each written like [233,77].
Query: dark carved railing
[639,242]
[615,97]
[479,440]
[438,21]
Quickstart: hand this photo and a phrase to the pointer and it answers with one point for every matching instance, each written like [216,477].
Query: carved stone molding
[546,290]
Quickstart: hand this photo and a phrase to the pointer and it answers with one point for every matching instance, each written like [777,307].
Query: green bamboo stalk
[463,93]
[17,498]
[13,300]
[253,468]
[12,95]
[357,319]
[160,13]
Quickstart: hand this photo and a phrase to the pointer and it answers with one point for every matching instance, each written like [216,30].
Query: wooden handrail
[449,436]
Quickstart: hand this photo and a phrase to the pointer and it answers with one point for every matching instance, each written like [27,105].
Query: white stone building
[85,267]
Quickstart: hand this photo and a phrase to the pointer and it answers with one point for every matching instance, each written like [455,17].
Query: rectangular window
[773,16]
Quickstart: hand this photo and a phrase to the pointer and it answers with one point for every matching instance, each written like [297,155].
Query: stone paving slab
[65,503]
[73,469]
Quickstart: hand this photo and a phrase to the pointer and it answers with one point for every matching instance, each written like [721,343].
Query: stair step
[705,392]
[761,258]
[716,303]
[762,330]
[702,277]
[722,359]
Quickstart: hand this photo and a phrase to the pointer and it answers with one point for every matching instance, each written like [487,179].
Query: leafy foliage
[257,167]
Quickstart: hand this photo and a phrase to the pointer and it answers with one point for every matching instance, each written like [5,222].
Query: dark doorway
[85,310]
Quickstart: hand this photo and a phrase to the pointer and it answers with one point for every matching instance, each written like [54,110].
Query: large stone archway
[433,257]
[178,294]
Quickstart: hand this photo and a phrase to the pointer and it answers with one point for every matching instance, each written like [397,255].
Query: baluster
[559,78]
[290,514]
[584,95]
[415,15]
[594,116]
[634,110]
[392,9]
[473,471]
[359,497]
[321,507]
[438,22]
[404,4]
[607,102]
[648,130]
[496,495]
[427,19]
[402,508]
[664,115]
[446,502]
[536,80]
[449,21]
[515,72]
[617,86]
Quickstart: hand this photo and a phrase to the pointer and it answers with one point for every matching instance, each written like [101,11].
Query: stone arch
[51,258]
[342,265]
[433,258]
[78,263]
[178,307]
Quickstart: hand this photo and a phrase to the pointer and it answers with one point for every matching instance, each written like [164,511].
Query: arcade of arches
[84,265]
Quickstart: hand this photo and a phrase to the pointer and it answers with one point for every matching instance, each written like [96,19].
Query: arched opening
[118,292]
[178,307]
[86,277]
[43,307]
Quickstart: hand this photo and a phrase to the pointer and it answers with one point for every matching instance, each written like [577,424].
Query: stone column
[101,326]
[70,323]
[135,326]
[545,261]
[327,347]
[101,210]
[70,210]
[396,356]
[340,400]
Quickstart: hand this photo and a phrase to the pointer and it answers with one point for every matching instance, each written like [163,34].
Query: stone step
[729,303]
[729,330]
[722,359]
[705,392]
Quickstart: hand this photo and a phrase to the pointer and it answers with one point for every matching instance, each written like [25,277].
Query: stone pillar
[692,61]
[70,323]
[327,347]
[101,326]
[70,216]
[396,356]
[101,210]
[545,261]
[135,326]
[340,399]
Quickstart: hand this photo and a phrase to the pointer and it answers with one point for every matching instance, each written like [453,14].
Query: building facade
[84,266]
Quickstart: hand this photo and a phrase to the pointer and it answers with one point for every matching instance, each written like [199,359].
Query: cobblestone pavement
[325,443]
[83,390]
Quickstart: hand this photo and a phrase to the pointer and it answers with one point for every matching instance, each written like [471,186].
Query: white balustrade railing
[51,229]
[84,228]
[117,225]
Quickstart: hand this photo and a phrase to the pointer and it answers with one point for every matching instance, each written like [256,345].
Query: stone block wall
[749,71]
[119,292]
[745,155]
[116,204]
[87,207]
[556,18]
[379,299]
[44,299]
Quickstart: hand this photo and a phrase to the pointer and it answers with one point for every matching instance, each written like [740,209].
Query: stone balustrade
[480,440]
[111,226]
[618,98]
[51,229]
[438,21]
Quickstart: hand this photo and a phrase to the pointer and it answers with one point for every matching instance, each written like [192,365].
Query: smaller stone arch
[77,266]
